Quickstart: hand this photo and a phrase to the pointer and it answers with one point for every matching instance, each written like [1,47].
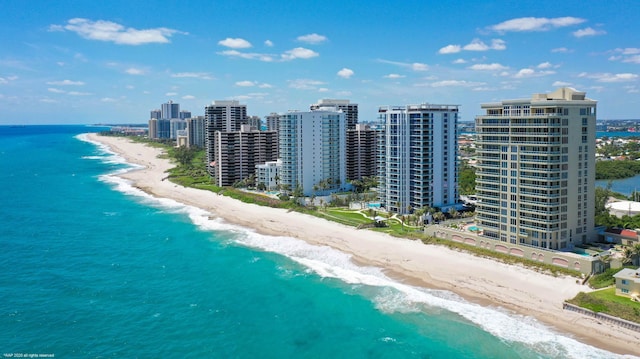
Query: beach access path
[480,280]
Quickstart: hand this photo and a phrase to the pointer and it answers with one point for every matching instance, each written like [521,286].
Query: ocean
[94,268]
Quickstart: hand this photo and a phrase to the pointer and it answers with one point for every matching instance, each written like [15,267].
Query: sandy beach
[479,280]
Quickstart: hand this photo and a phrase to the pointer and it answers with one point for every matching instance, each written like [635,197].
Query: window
[624,290]
[625,282]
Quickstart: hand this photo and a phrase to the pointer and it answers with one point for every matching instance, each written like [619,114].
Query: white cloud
[129,87]
[526,73]
[562,50]
[6,80]
[78,93]
[479,45]
[248,55]
[609,77]
[394,76]
[265,86]
[305,84]
[456,83]
[134,71]
[474,45]
[113,32]
[48,100]
[345,73]
[589,31]
[65,83]
[632,89]
[236,43]
[544,65]
[628,55]
[298,53]
[323,89]
[55,90]
[460,61]
[498,44]
[450,49]
[108,99]
[245,83]
[488,67]
[536,24]
[195,75]
[171,94]
[188,97]
[268,43]
[561,84]
[312,38]
[416,66]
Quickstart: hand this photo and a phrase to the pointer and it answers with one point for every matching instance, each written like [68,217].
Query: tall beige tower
[536,169]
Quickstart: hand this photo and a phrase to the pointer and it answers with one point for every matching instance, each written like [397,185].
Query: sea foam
[393,296]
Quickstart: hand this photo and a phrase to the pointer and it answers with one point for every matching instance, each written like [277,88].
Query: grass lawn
[606,301]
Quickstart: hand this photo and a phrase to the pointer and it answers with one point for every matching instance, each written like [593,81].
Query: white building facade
[417,157]
[312,148]
[269,174]
[536,169]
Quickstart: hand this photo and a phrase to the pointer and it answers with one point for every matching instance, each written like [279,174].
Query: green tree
[467,179]
[184,155]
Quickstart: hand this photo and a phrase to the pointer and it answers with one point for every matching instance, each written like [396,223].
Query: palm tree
[627,256]
[636,253]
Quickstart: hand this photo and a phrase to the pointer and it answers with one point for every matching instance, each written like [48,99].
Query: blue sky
[90,61]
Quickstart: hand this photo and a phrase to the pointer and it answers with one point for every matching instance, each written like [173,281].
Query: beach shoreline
[479,280]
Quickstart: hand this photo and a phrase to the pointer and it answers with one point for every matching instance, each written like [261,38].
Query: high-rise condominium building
[272,121]
[361,152]
[175,125]
[536,169]
[153,128]
[170,110]
[417,156]
[183,115]
[236,153]
[223,116]
[195,131]
[255,122]
[350,110]
[157,114]
[312,149]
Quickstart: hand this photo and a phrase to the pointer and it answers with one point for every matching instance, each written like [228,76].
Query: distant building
[417,157]
[628,283]
[272,121]
[157,114]
[221,116]
[181,138]
[170,110]
[255,122]
[536,170]
[164,128]
[361,152]
[268,174]
[153,128]
[196,131]
[236,153]
[175,125]
[312,150]
[350,110]
[184,115]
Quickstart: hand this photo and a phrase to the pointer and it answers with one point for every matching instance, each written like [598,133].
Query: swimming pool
[474,228]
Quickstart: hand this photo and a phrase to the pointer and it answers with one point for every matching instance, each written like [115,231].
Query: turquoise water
[94,268]
[474,228]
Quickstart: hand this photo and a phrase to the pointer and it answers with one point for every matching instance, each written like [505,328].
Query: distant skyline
[90,62]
